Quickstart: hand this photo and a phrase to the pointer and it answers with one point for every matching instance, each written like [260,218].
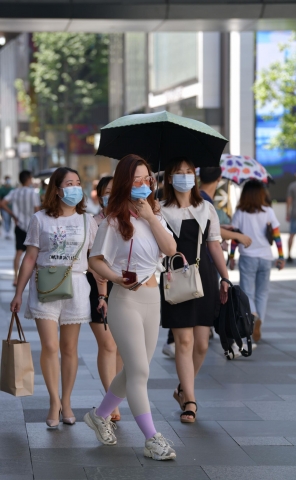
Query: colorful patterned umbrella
[239,168]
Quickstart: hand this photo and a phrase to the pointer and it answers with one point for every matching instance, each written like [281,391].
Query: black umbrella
[45,173]
[159,137]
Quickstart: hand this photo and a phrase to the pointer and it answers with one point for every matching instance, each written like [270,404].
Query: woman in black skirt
[185,213]
[109,360]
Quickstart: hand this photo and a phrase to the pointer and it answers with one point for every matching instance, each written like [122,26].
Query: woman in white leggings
[133,224]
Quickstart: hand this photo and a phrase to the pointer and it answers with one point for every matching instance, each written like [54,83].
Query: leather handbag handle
[178,254]
[19,328]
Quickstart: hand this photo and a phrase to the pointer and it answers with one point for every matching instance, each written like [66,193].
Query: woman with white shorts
[55,236]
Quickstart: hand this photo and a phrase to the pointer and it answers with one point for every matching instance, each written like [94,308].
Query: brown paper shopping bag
[17,370]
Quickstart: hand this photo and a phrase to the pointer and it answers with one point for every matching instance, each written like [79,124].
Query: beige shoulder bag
[184,283]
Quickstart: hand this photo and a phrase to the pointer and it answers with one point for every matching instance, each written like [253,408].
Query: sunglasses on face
[138,181]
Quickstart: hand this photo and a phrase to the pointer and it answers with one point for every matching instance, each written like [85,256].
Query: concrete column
[8,108]
[209,52]
[116,76]
[242,140]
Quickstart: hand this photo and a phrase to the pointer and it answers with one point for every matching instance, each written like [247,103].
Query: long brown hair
[253,197]
[51,202]
[169,192]
[118,205]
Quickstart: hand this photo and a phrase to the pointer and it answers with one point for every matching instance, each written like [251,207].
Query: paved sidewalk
[246,423]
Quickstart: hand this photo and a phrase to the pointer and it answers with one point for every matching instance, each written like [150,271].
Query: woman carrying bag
[134,235]
[109,361]
[255,217]
[196,228]
[58,239]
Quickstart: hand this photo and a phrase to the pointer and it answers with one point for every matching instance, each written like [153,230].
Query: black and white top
[23,200]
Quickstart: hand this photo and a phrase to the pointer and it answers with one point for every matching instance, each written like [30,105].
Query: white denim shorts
[64,312]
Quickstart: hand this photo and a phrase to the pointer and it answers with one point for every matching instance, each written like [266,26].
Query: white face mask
[72,195]
[183,182]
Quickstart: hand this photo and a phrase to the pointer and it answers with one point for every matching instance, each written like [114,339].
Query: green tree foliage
[276,87]
[69,74]
[68,80]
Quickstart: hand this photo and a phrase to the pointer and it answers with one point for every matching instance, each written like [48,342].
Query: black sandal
[189,413]
[177,396]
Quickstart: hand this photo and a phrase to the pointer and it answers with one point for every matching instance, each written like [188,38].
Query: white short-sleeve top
[254,225]
[202,213]
[145,251]
[59,239]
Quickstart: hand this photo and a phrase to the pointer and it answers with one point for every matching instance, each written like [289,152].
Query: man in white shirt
[25,202]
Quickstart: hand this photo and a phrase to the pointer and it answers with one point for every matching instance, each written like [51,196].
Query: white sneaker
[159,448]
[102,427]
[236,351]
[169,350]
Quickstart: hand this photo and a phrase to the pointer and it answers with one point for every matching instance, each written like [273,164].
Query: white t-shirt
[145,251]
[254,225]
[59,239]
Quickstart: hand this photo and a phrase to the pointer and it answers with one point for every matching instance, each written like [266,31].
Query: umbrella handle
[159,158]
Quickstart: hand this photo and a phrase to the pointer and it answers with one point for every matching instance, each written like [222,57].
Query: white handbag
[184,283]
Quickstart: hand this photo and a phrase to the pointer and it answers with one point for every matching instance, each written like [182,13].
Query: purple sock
[109,403]
[145,423]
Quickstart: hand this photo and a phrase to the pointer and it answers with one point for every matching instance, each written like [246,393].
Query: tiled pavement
[246,423]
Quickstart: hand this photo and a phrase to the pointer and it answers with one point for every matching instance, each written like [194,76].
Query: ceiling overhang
[143,15]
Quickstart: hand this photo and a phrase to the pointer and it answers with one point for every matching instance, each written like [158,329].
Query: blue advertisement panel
[281,164]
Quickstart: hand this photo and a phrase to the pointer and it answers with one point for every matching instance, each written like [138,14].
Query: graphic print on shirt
[64,242]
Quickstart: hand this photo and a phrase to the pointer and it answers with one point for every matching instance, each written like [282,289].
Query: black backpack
[235,321]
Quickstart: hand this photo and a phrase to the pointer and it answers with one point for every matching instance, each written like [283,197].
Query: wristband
[103,297]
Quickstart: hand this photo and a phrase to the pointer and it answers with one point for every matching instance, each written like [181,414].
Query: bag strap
[19,328]
[199,242]
[82,245]
[67,272]
[80,248]
[168,260]
[228,352]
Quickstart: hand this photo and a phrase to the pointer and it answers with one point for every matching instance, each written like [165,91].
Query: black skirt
[96,317]
[200,311]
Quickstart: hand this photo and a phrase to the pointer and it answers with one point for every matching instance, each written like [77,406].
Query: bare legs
[109,360]
[290,243]
[69,363]
[16,264]
[201,345]
[191,348]
[49,361]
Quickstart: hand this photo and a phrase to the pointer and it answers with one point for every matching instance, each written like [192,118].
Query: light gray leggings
[133,318]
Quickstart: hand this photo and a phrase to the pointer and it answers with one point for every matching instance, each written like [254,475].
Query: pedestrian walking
[4,190]
[210,178]
[291,216]
[194,223]
[131,240]
[58,236]
[25,202]
[109,361]
[254,217]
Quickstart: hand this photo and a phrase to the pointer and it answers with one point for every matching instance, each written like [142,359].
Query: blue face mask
[183,182]
[72,196]
[140,192]
[105,200]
